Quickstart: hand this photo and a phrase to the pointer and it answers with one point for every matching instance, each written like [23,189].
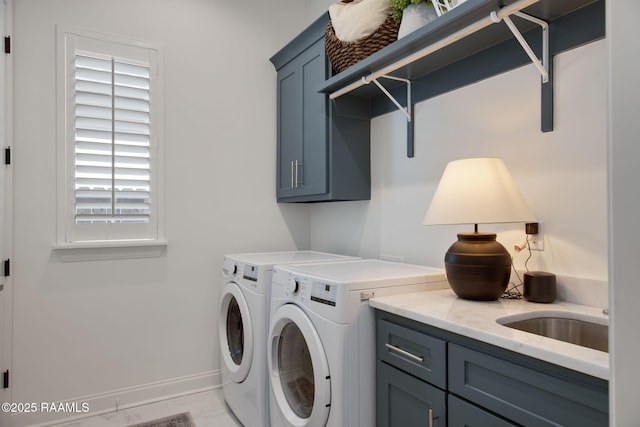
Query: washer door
[298,367]
[236,333]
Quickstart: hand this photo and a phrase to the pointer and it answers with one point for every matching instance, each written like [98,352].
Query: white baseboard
[125,398]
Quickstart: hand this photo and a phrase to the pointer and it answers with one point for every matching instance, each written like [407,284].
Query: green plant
[397,6]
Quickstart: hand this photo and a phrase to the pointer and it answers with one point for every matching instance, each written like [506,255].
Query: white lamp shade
[477,191]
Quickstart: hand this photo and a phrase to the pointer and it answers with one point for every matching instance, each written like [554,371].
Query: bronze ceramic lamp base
[478,267]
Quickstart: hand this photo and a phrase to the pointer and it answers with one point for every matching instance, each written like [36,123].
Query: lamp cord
[514,292]
[528,258]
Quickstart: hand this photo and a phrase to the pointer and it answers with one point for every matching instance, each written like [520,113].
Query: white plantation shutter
[112,140]
[110,93]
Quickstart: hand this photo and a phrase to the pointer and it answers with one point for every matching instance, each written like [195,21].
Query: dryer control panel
[250,272]
[324,293]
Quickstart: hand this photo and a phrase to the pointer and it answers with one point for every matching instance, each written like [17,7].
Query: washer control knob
[234,269]
[292,287]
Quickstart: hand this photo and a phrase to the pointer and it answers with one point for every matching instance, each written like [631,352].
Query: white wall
[94,328]
[562,174]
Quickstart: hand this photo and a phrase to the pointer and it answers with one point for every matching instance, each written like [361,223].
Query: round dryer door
[298,368]
[236,333]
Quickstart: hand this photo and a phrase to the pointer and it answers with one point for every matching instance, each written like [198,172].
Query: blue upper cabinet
[323,150]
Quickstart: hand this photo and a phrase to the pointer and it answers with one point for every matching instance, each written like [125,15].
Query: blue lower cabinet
[406,401]
[431,377]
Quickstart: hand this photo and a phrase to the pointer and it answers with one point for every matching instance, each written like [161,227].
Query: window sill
[110,250]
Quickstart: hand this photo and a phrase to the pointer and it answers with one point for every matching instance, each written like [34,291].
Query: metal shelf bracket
[544,65]
[407,111]
[541,65]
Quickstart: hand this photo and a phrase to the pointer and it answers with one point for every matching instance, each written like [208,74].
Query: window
[110,105]
[111,140]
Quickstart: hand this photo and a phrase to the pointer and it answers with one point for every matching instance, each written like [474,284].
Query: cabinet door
[405,401]
[289,127]
[464,414]
[527,396]
[302,125]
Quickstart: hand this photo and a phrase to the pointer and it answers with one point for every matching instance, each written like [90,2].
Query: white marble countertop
[477,319]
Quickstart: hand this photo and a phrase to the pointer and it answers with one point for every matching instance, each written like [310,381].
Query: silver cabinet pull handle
[405,353]
[292,174]
[431,417]
[298,164]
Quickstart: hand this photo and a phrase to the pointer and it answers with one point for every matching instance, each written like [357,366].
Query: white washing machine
[321,349]
[243,326]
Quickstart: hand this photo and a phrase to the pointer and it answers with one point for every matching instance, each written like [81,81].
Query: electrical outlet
[536,241]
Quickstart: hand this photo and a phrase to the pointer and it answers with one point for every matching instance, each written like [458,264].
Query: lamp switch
[534,235]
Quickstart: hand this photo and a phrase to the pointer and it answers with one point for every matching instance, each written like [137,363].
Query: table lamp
[477,191]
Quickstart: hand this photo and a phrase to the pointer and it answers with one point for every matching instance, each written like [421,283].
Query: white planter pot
[415,16]
[443,6]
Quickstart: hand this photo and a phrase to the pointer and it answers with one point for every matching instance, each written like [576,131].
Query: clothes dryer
[243,327]
[321,348]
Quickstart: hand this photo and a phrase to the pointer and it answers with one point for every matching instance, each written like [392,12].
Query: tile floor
[207,409]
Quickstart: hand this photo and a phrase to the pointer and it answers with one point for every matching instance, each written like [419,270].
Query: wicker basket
[344,54]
